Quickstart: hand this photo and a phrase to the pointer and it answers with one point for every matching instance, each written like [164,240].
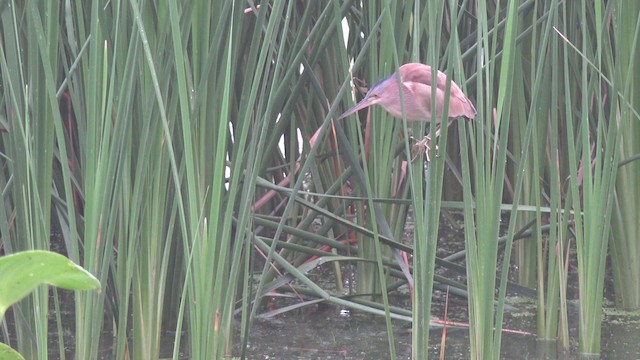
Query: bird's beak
[367,101]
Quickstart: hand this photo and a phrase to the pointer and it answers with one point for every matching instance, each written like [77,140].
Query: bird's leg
[426,145]
[422,145]
[426,142]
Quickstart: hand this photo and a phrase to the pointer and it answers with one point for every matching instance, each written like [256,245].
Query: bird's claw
[418,147]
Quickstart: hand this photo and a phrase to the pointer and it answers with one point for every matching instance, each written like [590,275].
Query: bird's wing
[416,72]
[421,73]
[459,104]
[420,102]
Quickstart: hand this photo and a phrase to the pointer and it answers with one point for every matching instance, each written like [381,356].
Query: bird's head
[382,93]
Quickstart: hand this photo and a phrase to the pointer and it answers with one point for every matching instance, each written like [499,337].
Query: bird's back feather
[459,104]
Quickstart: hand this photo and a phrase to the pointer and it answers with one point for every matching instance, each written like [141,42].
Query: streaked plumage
[417,88]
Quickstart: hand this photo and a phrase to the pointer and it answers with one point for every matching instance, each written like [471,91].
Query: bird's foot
[420,146]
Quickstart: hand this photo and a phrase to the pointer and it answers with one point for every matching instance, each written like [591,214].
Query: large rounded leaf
[7,353]
[21,273]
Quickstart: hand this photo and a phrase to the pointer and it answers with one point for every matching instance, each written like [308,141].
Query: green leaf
[7,353]
[21,273]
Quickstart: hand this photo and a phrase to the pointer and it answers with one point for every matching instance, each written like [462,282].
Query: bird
[417,87]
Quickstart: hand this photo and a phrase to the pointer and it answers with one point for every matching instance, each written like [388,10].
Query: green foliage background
[148,134]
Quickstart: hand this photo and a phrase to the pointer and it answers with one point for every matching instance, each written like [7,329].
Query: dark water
[331,332]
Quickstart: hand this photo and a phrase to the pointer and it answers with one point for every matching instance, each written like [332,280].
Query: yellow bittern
[416,88]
